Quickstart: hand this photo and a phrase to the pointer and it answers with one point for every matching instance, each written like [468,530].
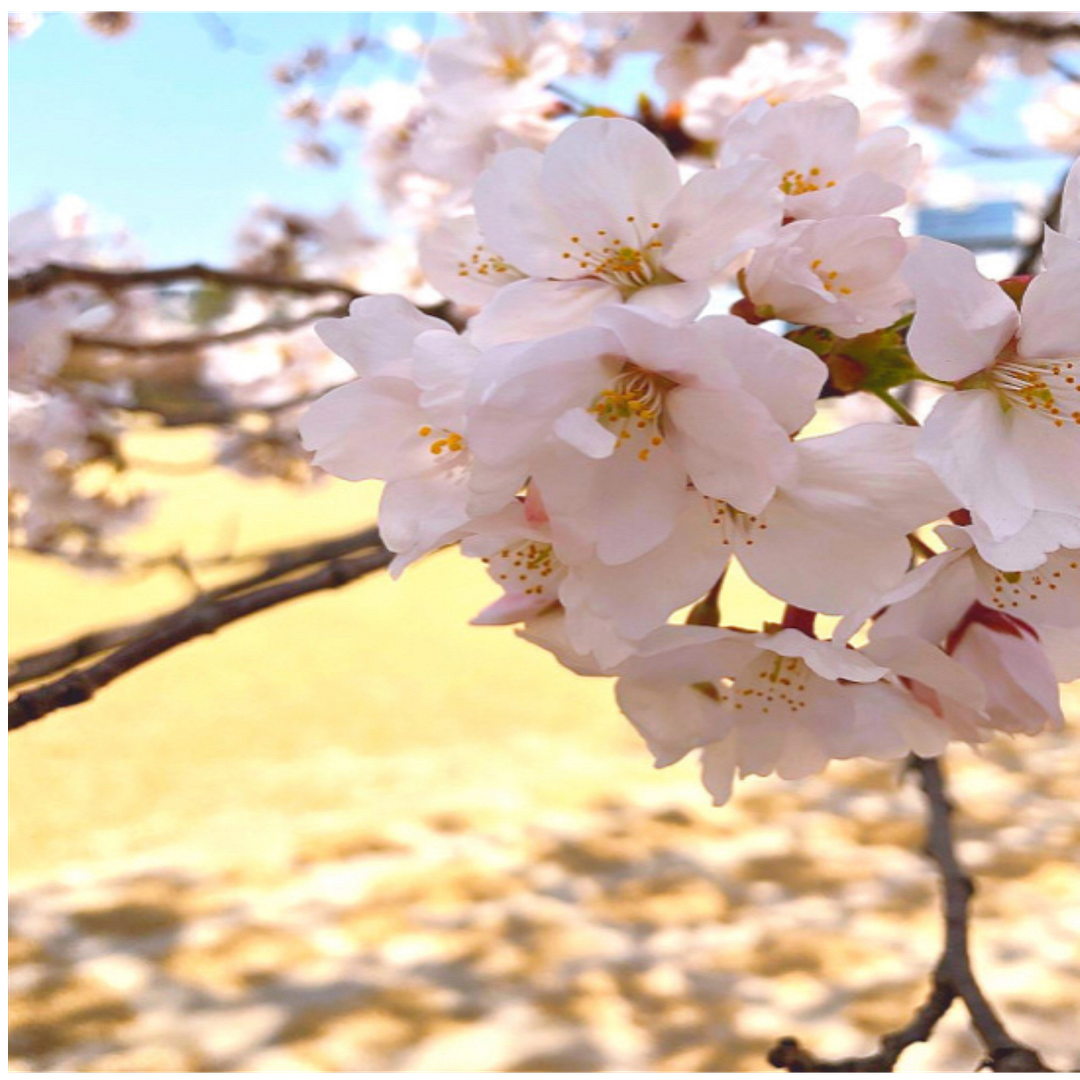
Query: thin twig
[1030,252]
[1029,29]
[1005,1053]
[201,341]
[953,976]
[276,564]
[54,275]
[197,619]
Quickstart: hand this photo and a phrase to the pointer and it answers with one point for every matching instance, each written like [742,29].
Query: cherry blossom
[604,207]
[1007,442]
[401,422]
[826,170]
[840,273]
[641,405]
[774,702]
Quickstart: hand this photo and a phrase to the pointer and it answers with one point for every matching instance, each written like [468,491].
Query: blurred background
[354,833]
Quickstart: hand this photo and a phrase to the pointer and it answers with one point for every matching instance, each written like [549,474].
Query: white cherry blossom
[1007,442]
[613,421]
[604,206]
[502,46]
[775,702]
[401,422]
[825,169]
[841,273]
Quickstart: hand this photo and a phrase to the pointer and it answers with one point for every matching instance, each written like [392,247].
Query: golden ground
[334,713]
[299,748]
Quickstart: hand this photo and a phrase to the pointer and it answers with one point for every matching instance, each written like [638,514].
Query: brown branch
[790,1055]
[55,275]
[200,341]
[953,976]
[1029,29]
[1030,252]
[197,619]
[276,564]
[1005,1053]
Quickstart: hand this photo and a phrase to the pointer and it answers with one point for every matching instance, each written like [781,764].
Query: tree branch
[1030,252]
[1006,1054]
[1029,29]
[276,564]
[204,616]
[55,275]
[953,976]
[200,341]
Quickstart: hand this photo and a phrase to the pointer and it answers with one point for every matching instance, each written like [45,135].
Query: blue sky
[178,136]
[166,128]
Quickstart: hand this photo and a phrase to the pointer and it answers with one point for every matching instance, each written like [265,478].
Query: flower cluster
[607,445]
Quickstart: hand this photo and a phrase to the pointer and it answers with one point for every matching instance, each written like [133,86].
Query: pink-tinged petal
[692,355]
[917,659]
[637,503]
[681,653]
[549,632]
[820,132]
[1051,456]
[1070,203]
[929,602]
[886,153]
[535,308]
[827,659]
[443,362]
[816,563]
[839,534]
[522,391]
[511,608]
[1060,251]
[890,723]
[718,765]
[515,217]
[368,430]
[731,447]
[419,515]
[456,261]
[962,320]
[608,174]
[783,376]
[1028,549]
[1050,319]
[673,720]
[1021,687]
[1049,593]
[677,572]
[720,214]
[377,335]
[579,429]
[1062,648]
[966,442]
[684,300]
[867,478]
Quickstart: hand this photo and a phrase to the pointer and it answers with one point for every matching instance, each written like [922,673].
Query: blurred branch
[276,564]
[199,341]
[1030,29]
[54,275]
[1065,71]
[1030,252]
[203,616]
[953,976]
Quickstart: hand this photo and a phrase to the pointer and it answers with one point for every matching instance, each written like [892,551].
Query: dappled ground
[357,835]
[622,937]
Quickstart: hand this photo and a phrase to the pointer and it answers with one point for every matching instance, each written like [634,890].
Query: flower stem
[897,407]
